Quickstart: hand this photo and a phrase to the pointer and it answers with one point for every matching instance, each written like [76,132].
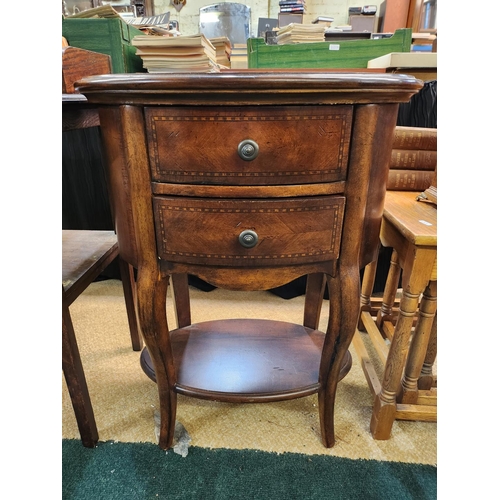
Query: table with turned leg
[407,389]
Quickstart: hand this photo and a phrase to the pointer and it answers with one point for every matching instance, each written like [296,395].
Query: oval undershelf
[246,360]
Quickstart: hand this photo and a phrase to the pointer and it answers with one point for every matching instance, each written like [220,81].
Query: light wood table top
[416,220]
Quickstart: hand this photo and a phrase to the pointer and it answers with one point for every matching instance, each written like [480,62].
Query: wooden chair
[85,254]
[403,331]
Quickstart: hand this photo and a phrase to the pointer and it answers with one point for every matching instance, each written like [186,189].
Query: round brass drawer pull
[248,238]
[248,149]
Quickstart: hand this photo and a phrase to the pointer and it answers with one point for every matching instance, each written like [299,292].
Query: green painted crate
[106,36]
[330,54]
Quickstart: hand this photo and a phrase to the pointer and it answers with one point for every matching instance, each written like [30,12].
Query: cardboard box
[364,23]
[107,36]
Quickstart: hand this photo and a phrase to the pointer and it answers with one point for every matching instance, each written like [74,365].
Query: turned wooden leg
[384,409]
[128,283]
[426,379]
[77,385]
[408,391]
[151,295]
[390,290]
[366,291]
[417,270]
[315,291]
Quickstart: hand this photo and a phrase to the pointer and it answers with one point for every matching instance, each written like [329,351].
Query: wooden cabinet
[248,180]
[420,15]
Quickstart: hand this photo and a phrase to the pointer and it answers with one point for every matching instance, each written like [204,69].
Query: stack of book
[239,56]
[222,46]
[413,159]
[292,6]
[301,33]
[176,54]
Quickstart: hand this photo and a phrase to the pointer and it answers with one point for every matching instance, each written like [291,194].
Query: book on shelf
[415,138]
[291,6]
[409,180]
[301,33]
[176,54]
[413,159]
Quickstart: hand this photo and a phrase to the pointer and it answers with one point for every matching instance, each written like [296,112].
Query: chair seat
[85,254]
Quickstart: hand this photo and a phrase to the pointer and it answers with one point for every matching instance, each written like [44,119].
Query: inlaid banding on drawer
[290,231]
[295,145]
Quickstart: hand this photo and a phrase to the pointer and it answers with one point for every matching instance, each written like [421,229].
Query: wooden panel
[295,230]
[396,15]
[295,144]
[416,412]
[329,54]
[78,63]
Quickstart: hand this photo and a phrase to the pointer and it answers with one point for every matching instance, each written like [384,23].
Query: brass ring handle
[248,149]
[248,238]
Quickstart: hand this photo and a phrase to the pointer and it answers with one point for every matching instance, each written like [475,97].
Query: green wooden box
[329,54]
[106,36]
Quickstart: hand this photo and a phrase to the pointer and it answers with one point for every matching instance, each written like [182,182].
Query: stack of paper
[301,33]
[176,54]
[222,46]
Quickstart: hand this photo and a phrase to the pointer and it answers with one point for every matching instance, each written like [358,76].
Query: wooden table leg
[426,379]
[408,391]
[180,292]
[315,291]
[128,283]
[366,291]
[390,290]
[416,274]
[152,294]
[77,385]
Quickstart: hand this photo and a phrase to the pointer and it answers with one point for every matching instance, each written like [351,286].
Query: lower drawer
[247,232]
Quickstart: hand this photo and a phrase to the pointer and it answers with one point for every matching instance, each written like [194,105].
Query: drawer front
[295,144]
[288,231]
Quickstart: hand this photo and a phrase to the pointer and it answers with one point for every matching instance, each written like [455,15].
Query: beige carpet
[124,399]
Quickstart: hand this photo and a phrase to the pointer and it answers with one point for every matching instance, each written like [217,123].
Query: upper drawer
[295,144]
[249,232]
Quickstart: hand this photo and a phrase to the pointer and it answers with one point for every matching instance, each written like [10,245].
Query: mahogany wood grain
[246,361]
[324,139]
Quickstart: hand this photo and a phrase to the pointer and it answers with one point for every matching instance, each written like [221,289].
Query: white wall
[188,17]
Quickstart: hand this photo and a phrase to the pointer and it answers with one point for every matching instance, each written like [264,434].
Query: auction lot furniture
[248,180]
[85,254]
[408,388]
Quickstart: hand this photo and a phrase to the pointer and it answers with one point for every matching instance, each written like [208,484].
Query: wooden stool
[85,254]
[407,390]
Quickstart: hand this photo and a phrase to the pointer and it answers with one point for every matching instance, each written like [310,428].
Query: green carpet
[137,471]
